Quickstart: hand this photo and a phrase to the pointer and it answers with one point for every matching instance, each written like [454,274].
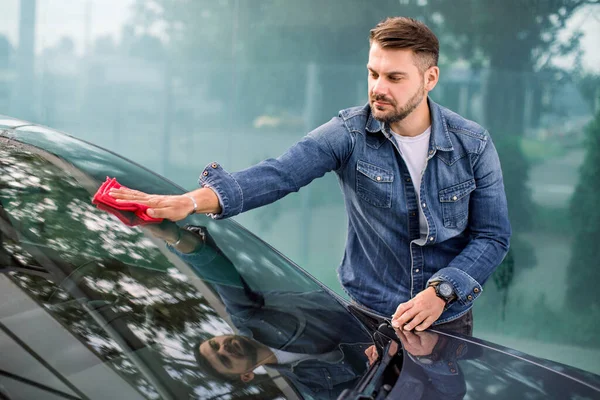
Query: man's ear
[432,75]
[247,377]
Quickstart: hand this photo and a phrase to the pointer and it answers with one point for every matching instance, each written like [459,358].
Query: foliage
[537,151]
[584,271]
[537,320]
[589,86]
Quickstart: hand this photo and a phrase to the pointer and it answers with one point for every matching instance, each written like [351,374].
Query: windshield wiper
[383,373]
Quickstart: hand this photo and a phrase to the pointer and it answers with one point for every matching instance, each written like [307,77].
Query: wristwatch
[444,291]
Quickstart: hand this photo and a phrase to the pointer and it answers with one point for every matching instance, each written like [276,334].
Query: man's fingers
[415,321]
[404,318]
[149,200]
[164,212]
[124,193]
[146,202]
[402,308]
[426,323]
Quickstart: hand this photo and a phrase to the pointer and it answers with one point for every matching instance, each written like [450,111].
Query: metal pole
[23,91]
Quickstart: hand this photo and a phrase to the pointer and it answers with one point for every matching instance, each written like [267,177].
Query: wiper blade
[378,382]
[373,385]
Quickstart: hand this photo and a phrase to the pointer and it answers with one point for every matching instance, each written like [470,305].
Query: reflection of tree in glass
[37,191]
[75,260]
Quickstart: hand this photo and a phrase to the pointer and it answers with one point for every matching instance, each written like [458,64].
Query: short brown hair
[408,33]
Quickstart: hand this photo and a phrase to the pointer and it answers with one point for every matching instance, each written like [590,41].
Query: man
[423,188]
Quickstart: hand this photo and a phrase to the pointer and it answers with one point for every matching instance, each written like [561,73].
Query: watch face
[445,289]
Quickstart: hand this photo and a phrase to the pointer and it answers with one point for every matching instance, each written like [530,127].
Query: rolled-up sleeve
[322,150]
[489,227]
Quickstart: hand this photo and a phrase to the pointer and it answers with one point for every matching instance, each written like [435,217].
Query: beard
[398,113]
[241,346]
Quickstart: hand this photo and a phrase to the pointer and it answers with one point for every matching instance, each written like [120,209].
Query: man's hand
[174,208]
[418,343]
[371,354]
[419,312]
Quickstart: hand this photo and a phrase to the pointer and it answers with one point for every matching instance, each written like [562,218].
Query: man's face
[396,86]
[230,354]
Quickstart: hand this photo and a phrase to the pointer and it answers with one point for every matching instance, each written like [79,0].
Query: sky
[60,18]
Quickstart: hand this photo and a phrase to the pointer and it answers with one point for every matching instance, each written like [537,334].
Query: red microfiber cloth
[108,203]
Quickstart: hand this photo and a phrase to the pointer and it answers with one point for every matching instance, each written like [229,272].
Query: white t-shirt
[414,152]
[286,357]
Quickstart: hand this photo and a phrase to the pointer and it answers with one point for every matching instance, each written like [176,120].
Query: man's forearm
[323,150]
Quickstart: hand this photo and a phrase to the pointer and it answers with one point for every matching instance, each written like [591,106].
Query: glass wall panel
[175,85]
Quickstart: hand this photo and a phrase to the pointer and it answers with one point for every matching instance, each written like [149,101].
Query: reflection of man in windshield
[306,336]
[236,357]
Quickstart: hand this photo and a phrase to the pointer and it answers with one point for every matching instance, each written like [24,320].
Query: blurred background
[174,85]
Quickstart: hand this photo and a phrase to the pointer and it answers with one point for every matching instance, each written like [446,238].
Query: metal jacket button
[205,173]
[214,165]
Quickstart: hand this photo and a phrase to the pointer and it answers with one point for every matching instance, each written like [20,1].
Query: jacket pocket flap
[457,192]
[374,172]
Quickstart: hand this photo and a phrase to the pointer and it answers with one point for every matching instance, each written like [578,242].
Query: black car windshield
[101,301]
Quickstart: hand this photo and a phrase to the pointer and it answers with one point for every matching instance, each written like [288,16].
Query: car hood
[461,366]
[443,364]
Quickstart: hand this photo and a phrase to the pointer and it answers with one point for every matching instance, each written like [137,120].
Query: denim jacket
[385,261]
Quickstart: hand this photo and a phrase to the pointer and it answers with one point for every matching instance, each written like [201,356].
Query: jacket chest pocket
[374,184]
[455,204]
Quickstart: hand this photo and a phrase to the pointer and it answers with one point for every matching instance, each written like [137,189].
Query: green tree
[584,268]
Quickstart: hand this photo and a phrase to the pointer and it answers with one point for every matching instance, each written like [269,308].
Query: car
[98,303]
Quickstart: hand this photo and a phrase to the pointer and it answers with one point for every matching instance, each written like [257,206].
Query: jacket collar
[440,139]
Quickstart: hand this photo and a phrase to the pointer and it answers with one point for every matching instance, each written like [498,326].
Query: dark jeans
[462,325]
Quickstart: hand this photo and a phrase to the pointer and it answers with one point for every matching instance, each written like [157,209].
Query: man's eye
[373,75]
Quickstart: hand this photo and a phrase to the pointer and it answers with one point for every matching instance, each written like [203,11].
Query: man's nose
[223,351]
[379,86]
